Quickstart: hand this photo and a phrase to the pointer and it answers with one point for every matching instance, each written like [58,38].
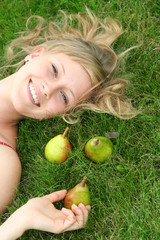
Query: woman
[62,70]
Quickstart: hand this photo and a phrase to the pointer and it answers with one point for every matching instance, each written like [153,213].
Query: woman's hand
[40,214]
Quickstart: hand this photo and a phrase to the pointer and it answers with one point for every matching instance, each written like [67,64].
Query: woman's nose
[50,87]
[47,89]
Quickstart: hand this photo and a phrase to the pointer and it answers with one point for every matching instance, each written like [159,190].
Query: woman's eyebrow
[63,70]
[72,93]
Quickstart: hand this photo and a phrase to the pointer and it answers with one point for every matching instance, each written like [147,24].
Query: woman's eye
[54,69]
[64,98]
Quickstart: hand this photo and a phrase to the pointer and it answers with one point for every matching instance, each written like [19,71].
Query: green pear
[79,194]
[58,148]
[99,149]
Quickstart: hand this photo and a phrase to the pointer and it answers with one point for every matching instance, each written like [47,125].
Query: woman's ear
[36,53]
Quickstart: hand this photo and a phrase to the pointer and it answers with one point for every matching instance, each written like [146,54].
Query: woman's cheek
[55,106]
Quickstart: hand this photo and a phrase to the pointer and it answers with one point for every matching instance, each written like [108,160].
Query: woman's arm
[40,214]
[14,226]
[10,174]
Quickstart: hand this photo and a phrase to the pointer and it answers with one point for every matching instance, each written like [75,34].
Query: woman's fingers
[69,214]
[70,218]
[81,214]
[76,217]
[56,196]
[85,211]
[88,207]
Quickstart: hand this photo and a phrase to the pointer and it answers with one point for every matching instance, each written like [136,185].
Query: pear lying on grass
[79,194]
[99,149]
[58,148]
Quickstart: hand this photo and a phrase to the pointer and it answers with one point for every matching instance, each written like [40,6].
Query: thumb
[56,196]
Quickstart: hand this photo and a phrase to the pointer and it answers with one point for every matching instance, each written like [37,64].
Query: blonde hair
[87,40]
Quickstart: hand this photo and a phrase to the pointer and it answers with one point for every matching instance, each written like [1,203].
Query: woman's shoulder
[8,136]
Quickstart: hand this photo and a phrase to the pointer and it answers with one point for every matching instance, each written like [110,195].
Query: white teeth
[33,93]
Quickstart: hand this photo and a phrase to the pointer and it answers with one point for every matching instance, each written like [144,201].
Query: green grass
[124,205]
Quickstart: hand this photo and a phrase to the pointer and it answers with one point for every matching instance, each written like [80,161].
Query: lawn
[125,205]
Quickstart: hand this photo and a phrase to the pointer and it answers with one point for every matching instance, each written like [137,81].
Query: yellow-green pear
[79,194]
[99,149]
[58,148]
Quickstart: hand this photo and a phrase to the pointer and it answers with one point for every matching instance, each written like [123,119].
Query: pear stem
[82,184]
[65,132]
[95,142]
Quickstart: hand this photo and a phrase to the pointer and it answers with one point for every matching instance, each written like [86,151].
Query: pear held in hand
[79,194]
[58,148]
[99,149]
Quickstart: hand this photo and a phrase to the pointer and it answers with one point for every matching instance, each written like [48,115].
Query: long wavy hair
[87,40]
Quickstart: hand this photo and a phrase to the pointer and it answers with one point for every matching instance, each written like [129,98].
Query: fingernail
[64,209]
[74,205]
[81,204]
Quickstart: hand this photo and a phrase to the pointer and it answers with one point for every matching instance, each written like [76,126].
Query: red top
[3,143]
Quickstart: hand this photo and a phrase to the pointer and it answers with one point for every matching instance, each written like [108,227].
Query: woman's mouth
[33,94]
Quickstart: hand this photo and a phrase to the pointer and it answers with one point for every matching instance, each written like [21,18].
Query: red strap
[3,143]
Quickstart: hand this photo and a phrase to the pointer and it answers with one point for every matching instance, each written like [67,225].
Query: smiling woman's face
[48,84]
